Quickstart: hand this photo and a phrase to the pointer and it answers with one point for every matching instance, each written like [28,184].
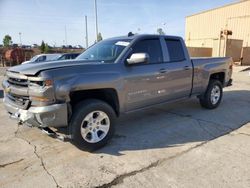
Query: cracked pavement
[172,145]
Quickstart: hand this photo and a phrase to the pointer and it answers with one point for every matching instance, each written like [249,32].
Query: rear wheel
[92,124]
[213,95]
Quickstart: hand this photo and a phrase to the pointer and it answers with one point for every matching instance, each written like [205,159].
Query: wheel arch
[108,95]
[220,76]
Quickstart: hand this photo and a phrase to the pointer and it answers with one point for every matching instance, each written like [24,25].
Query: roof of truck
[134,36]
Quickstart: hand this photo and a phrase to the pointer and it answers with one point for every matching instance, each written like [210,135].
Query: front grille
[16,89]
[18,82]
[21,101]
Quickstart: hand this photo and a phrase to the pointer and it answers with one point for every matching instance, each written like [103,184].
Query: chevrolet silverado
[113,77]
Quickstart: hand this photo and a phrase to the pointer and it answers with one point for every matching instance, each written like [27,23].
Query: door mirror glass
[138,58]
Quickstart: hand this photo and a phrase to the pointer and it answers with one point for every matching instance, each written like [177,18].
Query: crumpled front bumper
[46,116]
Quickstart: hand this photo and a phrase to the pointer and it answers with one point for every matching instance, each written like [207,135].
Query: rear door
[179,70]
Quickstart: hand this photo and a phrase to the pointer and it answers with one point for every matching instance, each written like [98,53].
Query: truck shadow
[174,125]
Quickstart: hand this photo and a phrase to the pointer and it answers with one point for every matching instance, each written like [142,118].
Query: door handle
[162,70]
[186,68]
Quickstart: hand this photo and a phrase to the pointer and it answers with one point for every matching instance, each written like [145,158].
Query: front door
[144,82]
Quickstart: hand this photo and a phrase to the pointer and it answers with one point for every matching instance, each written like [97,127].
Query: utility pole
[86,27]
[226,34]
[219,44]
[20,38]
[96,23]
[65,32]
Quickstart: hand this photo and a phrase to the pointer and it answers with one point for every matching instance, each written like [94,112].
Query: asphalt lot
[173,145]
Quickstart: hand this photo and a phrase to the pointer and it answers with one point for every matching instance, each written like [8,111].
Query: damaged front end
[31,100]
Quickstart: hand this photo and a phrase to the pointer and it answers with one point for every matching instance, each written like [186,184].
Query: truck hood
[34,68]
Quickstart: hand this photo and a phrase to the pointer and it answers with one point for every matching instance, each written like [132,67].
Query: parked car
[113,77]
[67,46]
[78,47]
[34,46]
[42,58]
[67,56]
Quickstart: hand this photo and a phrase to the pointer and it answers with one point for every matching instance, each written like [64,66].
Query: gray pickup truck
[113,77]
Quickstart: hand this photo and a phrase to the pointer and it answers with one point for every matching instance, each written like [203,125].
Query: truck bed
[209,60]
[204,67]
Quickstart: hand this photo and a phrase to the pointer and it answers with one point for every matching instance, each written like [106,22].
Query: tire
[213,95]
[92,124]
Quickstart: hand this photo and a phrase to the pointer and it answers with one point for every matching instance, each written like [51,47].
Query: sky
[48,20]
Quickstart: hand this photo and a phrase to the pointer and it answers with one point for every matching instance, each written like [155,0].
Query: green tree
[7,40]
[99,37]
[46,48]
[42,47]
[160,31]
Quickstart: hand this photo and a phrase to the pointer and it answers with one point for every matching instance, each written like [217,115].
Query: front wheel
[213,95]
[92,124]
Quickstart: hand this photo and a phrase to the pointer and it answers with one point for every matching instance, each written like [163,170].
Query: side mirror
[138,58]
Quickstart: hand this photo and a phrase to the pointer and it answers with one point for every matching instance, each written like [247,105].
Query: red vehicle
[15,56]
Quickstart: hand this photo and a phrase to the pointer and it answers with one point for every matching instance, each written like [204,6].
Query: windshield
[106,51]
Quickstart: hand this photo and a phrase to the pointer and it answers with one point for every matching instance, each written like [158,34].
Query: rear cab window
[150,46]
[175,50]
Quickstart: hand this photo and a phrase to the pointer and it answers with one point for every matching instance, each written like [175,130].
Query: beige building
[204,29]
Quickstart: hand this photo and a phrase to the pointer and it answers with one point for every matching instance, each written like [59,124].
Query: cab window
[175,50]
[152,47]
